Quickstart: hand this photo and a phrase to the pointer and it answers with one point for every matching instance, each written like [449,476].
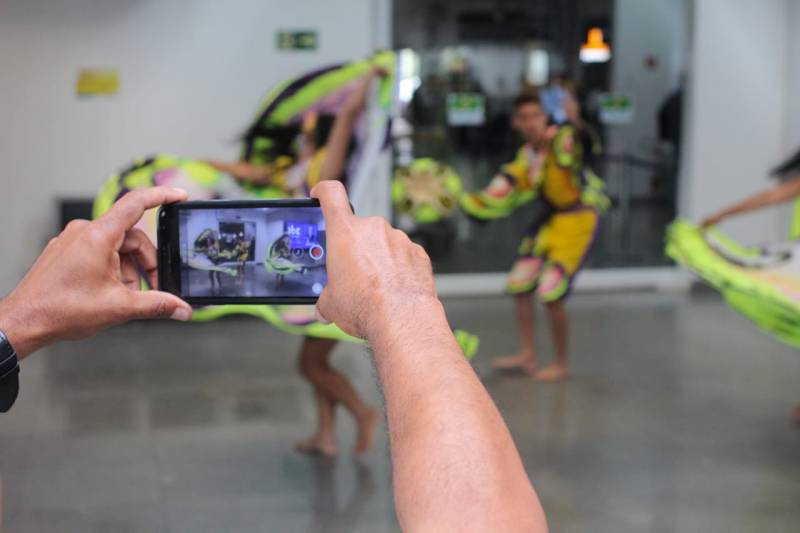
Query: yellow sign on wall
[97,81]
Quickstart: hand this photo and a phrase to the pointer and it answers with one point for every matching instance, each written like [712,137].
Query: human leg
[570,239]
[324,438]
[559,368]
[336,388]
[323,441]
[523,279]
[525,358]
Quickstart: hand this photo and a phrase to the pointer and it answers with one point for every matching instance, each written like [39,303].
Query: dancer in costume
[549,167]
[763,282]
[273,140]
[279,259]
[785,191]
[242,254]
[329,386]
[206,254]
[325,143]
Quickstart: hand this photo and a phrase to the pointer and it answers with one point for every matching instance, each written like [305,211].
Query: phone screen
[239,251]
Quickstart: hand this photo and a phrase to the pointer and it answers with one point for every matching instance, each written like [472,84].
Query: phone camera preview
[230,251]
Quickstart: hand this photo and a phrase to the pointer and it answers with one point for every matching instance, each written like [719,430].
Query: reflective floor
[677,419]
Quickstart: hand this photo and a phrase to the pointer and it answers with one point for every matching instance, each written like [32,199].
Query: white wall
[738,113]
[192,76]
[793,79]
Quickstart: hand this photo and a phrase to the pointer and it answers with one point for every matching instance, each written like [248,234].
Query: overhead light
[594,50]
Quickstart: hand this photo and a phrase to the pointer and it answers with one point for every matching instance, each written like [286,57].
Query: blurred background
[677,419]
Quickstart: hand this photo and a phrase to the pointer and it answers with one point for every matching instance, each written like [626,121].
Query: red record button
[316,252]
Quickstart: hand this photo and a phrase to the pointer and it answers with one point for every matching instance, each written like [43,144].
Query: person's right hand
[376,275]
[88,278]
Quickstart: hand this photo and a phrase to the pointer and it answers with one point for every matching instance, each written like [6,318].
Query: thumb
[157,304]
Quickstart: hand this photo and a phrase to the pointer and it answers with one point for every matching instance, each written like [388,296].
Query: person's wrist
[403,317]
[22,326]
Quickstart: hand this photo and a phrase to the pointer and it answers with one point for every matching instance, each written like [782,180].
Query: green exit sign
[297,40]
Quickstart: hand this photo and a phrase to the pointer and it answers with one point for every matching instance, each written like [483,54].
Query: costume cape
[269,139]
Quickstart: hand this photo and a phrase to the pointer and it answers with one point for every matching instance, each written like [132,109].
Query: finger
[156,304]
[139,246]
[333,201]
[129,209]
[129,274]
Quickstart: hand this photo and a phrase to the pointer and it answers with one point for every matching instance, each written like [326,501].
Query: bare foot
[521,361]
[366,431]
[317,445]
[552,372]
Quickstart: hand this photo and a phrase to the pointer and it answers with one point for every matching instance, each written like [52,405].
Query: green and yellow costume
[552,251]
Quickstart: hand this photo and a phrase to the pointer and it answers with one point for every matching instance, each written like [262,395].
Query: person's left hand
[88,278]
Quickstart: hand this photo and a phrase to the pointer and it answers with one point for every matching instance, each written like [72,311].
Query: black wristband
[9,374]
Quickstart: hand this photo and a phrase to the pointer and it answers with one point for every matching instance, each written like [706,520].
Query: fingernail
[179,190]
[181,313]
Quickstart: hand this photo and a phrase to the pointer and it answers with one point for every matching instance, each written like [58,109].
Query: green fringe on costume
[757,299]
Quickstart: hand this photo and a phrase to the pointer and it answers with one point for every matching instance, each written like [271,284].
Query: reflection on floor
[677,419]
[256,281]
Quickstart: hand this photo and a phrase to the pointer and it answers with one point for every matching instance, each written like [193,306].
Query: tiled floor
[677,419]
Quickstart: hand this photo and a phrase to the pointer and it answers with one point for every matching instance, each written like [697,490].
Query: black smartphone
[242,252]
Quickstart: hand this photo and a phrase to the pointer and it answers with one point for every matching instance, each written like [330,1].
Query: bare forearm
[336,148]
[342,131]
[449,443]
[784,192]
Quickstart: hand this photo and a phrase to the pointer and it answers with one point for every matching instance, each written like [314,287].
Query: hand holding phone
[380,280]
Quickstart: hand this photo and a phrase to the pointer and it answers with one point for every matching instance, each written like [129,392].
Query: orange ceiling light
[595,50]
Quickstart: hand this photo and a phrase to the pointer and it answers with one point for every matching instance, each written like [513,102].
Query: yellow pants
[553,254]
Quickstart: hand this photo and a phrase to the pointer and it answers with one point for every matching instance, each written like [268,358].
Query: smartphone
[243,252]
